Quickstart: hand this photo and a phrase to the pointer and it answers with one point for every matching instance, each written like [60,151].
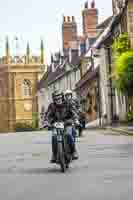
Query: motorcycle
[64,155]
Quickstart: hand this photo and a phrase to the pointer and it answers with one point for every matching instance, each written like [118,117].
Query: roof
[105,23]
[93,41]
[60,70]
[108,31]
[89,75]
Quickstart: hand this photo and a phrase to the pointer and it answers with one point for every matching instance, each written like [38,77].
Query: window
[1,89]
[26,88]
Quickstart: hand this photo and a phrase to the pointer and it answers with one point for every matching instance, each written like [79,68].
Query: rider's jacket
[75,104]
[61,112]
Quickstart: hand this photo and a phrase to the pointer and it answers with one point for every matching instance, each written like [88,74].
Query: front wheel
[61,157]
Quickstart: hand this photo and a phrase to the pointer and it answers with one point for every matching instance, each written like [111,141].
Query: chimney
[90,20]
[69,32]
[93,4]
[73,55]
[73,19]
[68,18]
[86,5]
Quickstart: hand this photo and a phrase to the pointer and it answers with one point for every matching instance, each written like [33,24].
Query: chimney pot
[93,4]
[68,18]
[73,19]
[86,4]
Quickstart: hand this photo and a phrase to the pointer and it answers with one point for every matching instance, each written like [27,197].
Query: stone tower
[69,32]
[19,76]
[90,19]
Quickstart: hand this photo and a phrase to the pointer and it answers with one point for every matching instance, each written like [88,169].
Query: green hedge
[24,126]
[130,117]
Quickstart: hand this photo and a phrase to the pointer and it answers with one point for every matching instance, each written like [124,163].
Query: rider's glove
[77,122]
[46,124]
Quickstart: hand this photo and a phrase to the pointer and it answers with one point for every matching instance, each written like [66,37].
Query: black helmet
[54,94]
[57,95]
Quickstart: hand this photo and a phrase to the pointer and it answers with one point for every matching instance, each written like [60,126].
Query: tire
[68,155]
[61,158]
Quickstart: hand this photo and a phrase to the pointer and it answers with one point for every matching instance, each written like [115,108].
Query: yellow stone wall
[4,105]
[14,107]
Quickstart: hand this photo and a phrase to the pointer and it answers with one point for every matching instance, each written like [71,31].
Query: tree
[124,73]
[121,44]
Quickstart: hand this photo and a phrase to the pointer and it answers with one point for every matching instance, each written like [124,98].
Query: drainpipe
[110,83]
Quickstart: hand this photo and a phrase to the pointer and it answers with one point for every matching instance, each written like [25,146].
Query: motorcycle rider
[60,111]
[69,99]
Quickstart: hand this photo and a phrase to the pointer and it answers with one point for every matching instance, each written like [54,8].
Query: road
[103,172]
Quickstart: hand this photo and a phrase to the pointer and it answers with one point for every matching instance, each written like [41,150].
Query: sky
[33,20]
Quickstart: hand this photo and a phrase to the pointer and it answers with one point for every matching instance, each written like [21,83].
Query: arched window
[26,88]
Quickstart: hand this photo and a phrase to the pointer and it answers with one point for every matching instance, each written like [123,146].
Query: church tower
[90,19]
[19,76]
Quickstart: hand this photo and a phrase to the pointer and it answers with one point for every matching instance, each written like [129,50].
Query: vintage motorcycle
[64,154]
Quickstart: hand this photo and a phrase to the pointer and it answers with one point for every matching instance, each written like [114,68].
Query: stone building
[19,76]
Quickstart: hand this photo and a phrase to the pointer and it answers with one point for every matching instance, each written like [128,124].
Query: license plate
[59,125]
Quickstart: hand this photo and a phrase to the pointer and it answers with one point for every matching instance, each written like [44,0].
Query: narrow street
[104,170]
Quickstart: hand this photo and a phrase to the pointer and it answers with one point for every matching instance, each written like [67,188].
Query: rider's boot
[75,154]
[53,159]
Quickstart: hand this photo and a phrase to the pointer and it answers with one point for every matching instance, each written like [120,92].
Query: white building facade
[61,77]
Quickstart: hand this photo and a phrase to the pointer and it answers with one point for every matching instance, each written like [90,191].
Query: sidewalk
[123,129]
[93,124]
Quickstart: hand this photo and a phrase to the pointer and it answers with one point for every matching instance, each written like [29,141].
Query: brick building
[90,20]
[70,37]
[69,32]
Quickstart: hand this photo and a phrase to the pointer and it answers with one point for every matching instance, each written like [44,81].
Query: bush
[24,126]
[130,117]
[35,120]
[121,44]
[124,73]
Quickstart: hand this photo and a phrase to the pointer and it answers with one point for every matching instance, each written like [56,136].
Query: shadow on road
[35,171]
[40,171]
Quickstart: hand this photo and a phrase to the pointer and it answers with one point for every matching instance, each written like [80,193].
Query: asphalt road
[103,172]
